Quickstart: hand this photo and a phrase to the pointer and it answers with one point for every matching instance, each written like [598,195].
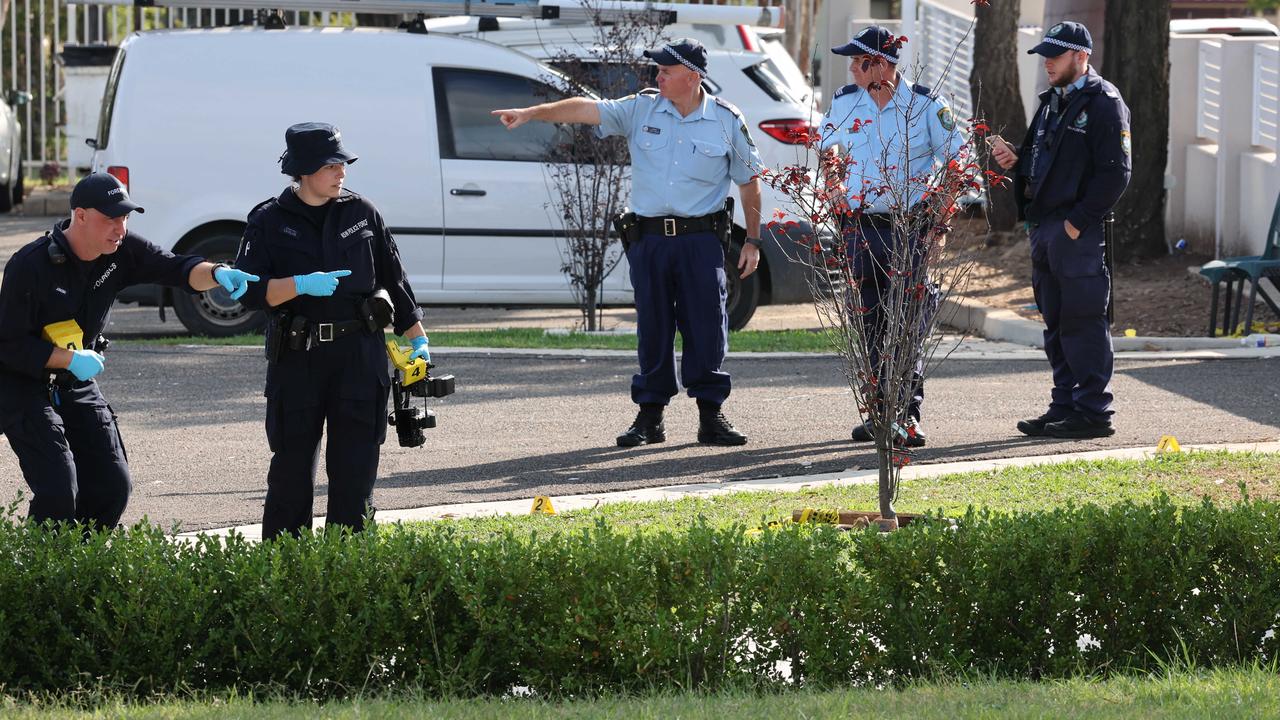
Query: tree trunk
[886,482]
[993,84]
[1138,64]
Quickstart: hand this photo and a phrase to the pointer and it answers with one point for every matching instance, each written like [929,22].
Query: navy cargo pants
[870,252]
[71,454]
[340,386]
[1072,287]
[679,284]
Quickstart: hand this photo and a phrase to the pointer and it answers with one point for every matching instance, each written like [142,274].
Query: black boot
[647,428]
[1079,427]
[1035,426]
[714,429]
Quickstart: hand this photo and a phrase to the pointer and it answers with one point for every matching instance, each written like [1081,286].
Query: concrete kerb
[787,484]
[1006,325]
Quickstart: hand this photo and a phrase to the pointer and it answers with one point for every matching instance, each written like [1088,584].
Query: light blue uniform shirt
[901,146]
[680,166]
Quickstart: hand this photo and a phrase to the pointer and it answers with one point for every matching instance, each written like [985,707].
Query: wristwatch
[213,271]
[752,241]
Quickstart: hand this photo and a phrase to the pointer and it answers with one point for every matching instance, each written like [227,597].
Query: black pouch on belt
[299,333]
[627,227]
[724,225]
[277,330]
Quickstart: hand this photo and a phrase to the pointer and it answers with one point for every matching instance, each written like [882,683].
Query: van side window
[464,99]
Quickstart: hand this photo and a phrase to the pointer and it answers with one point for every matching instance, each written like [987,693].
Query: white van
[193,121]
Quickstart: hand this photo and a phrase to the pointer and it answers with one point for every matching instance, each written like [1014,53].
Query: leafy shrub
[1030,595]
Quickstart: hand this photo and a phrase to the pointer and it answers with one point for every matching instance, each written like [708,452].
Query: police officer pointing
[686,148]
[54,303]
[335,282]
[896,137]
[1072,168]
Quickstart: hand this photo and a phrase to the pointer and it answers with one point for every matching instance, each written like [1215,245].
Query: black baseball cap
[685,51]
[310,146]
[1063,37]
[873,40]
[103,193]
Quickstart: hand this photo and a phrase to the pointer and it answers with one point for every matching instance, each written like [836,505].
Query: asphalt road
[192,420]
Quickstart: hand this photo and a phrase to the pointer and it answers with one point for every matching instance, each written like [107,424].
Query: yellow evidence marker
[1168,444]
[542,504]
[411,371]
[66,334]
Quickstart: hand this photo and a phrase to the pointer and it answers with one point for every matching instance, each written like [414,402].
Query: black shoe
[862,433]
[1035,426]
[1079,428]
[644,431]
[915,434]
[714,429]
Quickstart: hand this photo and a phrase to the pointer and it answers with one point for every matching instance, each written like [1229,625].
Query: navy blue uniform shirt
[37,292]
[1075,164]
[283,239]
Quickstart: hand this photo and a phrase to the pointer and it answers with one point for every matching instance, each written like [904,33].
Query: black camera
[409,422]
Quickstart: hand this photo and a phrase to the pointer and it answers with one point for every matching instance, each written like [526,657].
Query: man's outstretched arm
[570,110]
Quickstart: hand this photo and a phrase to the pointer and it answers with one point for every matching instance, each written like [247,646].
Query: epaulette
[727,106]
[924,90]
[260,206]
[846,90]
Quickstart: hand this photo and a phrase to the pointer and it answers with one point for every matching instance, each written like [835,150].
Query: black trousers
[71,455]
[297,417]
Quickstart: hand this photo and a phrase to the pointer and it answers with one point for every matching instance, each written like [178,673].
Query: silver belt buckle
[669,227]
[324,332]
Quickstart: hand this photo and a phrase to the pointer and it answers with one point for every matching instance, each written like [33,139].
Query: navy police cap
[103,193]
[1063,37]
[310,146]
[685,51]
[873,40]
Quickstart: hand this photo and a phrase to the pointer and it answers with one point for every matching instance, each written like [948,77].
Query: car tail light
[748,43]
[120,173]
[791,132]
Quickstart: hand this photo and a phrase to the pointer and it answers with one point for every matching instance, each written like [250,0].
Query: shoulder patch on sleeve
[946,119]
[846,90]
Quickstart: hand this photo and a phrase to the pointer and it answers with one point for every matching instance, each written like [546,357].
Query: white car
[193,121]
[1236,27]
[11,172]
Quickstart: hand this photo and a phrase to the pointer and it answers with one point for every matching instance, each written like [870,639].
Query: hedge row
[1044,594]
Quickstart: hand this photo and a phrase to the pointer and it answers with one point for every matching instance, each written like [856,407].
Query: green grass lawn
[1184,477]
[1221,694]
[740,341]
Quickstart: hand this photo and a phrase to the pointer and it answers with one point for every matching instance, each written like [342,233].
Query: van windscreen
[109,101]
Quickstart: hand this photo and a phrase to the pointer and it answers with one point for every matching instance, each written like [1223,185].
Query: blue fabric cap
[685,51]
[103,193]
[310,146]
[874,40]
[1063,37]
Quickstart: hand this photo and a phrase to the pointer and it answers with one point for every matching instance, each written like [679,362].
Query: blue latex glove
[85,364]
[420,349]
[234,281]
[320,284]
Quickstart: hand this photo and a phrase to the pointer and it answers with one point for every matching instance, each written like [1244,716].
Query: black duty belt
[329,331]
[672,226]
